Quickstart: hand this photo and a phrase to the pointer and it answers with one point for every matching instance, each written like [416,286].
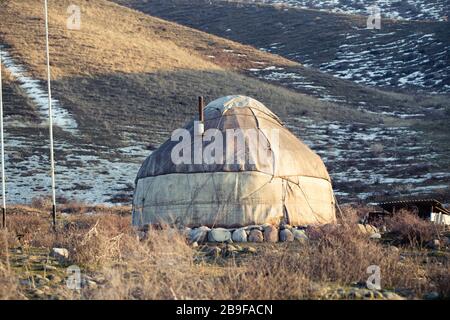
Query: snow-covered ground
[392,57]
[37,91]
[399,62]
[436,10]
[385,59]
[373,161]
[83,172]
[297,81]
[300,82]
[363,161]
[407,55]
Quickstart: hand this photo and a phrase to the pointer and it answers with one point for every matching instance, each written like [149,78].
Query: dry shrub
[111,210]
[94,244]
[42,203]
[350,214]
[338,255]
[32,229]
[8,280]
[411,230]
[4,245]
[270,276]
[8,283]
[441,280]
[79,207]
[160,267]
[88,249]
[74,207]
[109,224]
[164,266]
[342,254]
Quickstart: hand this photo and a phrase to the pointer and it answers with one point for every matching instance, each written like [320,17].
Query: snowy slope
[79,167]
[365,160]
[402,54]
[395,9]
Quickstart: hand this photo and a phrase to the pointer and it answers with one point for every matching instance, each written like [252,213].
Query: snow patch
[37,91]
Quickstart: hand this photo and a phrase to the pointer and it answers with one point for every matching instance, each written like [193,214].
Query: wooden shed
[430,209]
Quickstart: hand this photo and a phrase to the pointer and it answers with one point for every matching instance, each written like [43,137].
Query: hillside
[119,89]
[402,54]
[435,10]
[145,57]
[339,45]
[127,79]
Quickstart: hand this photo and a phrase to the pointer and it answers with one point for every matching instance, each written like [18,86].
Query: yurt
[235,165]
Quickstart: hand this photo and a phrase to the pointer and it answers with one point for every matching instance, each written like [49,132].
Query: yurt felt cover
[287,182]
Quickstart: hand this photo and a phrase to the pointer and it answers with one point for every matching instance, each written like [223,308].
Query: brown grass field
[132,70]
[129,78]
[128,71]
[116,263]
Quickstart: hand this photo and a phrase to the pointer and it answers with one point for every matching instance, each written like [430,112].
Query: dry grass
[164,266]
[317,42]
[411,230]
[104,40]
[8,280]
[125,71]
[8,284]
[115,39]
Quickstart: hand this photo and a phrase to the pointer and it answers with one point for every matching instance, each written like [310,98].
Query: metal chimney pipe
[199,127]
[201,107]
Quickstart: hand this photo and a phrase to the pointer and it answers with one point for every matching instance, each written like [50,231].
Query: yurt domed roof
[222,105]
[293,157]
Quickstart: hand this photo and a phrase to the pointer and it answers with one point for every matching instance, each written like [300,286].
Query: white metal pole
[2,148]
[50,115]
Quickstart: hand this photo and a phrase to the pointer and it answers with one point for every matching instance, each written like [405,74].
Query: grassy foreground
[116,263]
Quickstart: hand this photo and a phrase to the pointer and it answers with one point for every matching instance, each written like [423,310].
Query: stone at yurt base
[219,235]
[300,235]
[199,235]
[286,235]
[253,233]
[239,235]
[271,234]
[255,236]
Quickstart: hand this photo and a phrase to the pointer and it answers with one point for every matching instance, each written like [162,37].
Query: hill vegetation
[138,72]
[338,44]
[128,79]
